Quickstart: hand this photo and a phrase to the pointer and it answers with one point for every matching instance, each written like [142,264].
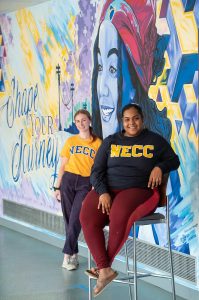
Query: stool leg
[127,268]
[135,261]
[171,258]
[89,278]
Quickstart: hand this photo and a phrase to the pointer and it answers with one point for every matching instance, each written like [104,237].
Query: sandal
[103,283]
[93,273]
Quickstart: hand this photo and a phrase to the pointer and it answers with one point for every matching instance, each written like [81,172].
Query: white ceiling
[13,5]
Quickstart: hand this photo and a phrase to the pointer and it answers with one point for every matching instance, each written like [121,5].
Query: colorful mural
[58,57]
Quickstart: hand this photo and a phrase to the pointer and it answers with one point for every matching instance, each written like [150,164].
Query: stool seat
[160,218]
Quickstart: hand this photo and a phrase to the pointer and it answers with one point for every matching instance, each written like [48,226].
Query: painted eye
[112,70]
[99,68]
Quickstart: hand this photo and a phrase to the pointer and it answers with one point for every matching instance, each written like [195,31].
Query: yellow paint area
[167,61]
[52,53]
[192,136]
[186,27]
[190,93]
[28,26]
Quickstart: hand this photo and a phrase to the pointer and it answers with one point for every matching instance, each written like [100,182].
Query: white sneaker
[70,264]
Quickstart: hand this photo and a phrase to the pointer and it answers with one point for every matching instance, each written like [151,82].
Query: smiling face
[132,122]
[82,123]
[107,82]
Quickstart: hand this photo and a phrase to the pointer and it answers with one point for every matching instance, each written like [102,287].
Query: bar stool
[155,218]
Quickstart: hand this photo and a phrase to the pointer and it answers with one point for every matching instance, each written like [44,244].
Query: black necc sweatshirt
[125,162]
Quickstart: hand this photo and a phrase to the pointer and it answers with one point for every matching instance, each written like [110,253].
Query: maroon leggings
[127,207]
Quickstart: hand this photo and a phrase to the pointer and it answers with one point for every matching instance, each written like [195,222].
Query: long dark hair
[154,119]
[96,123]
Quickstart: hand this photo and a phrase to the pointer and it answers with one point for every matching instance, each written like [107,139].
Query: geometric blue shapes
[187,66]
[174,52]
[196,14]
[2,86]
[182,102]
[187,123]
[189,112]
[195,84]
[178,125]
[195,120]
[184,248]
[155,236]
[175,185]
[188,4]
[184,66]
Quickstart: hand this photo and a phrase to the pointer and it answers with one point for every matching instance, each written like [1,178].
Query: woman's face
[107,80]
[82,122]
[132,122]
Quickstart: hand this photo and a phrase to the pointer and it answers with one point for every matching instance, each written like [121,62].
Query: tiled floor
[31,270]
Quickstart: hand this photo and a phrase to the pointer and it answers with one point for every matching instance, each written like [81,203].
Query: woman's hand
[105,203]
[155,178]
[57,195]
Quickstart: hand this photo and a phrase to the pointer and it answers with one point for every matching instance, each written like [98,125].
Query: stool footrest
[122,280]
[142,274]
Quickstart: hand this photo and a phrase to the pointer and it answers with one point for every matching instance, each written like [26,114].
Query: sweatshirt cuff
[161,167]
[102,190]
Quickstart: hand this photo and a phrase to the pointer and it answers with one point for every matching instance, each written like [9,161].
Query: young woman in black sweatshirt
[127,171]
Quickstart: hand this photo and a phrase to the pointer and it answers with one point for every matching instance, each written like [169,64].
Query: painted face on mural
[107,82]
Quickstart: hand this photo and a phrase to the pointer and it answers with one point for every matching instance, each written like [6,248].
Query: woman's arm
[98,177]
[98,172]
[168,160]
[64,161]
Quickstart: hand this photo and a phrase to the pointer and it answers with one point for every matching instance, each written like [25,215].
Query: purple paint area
[85,24]
[195,84]
[164,7]
[81,55]
[26,194]
[6,27]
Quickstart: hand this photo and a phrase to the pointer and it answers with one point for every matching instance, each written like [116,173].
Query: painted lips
[106,112]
